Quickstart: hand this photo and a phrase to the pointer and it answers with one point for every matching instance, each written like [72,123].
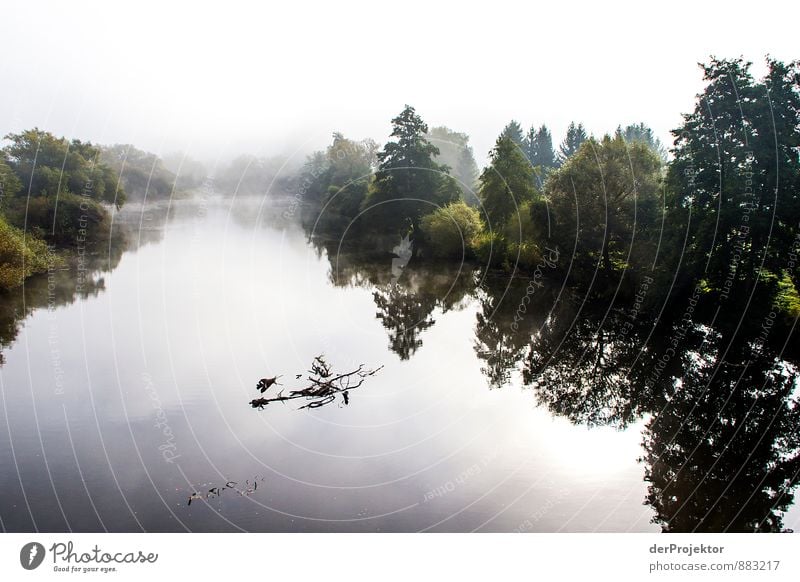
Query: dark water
[126,393]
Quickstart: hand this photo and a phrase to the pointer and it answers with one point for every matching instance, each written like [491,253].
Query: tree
[64,185]
[506,183]
[642,133]
[539,149]
[343,181]
[733,185]
[142,174]
[456,153]
[48,166]
[9,183]
[576,135]
[514,131]
[408,183]
[605,202]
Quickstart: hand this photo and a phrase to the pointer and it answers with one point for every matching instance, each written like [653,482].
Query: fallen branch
[323,386]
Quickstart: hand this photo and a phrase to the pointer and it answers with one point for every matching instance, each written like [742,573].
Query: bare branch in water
[323,386]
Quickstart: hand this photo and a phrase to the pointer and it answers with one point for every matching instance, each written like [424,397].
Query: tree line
[720,215]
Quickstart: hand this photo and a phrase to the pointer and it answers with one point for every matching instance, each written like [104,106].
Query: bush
[451,230]
[20,256]
[69,220]
[490,248]
[519,233]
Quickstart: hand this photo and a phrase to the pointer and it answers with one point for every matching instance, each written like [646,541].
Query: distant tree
[513,131]
[251,175]
[506,183]
[189,173]
[576,135]
[540,152]
[142,174]
[408,183]
[456,153]
[641,132]
[342,179]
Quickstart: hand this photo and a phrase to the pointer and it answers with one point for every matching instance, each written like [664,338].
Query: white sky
[220,78]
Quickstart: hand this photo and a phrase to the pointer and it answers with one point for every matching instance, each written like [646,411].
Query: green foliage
[734,183]
[540,152]
[50,166]
[142,174]
[788,300]
[408,183]
[451,230]
[604,202]
[576,135]
[9,183]
[67,221]
[336,181]
[642,133]
[522,237]
[20,255]
[490,248]
[506,183]
[513,131]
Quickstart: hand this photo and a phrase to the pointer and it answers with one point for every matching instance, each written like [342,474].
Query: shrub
[68,220]
[451,230]
[20,256]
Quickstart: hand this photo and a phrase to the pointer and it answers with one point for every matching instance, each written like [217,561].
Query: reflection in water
[722,434]
[716,407]
[61,285]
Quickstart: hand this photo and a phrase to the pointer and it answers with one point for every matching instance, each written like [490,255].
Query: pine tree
[642,133]
[576,135]
[514,131]
[408,183]
[506,183]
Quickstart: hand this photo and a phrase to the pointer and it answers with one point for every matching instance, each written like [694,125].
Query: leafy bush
[68,220]
[490,248]
[20,256]
[451,230]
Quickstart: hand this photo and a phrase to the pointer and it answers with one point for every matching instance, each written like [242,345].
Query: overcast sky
[219,78]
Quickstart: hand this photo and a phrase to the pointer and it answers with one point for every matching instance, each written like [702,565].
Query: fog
[222,78]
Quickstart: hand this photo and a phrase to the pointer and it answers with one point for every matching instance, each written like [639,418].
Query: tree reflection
[507,320]
[404,304]
[724,454]
[721,438]
[63,283]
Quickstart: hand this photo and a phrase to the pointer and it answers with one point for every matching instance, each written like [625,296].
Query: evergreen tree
[408,183]
[540,152]
[642,133]
[506,183]
[514,131]
[576,135]
[733,185]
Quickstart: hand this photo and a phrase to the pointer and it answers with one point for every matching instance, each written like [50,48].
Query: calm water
[124,394]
